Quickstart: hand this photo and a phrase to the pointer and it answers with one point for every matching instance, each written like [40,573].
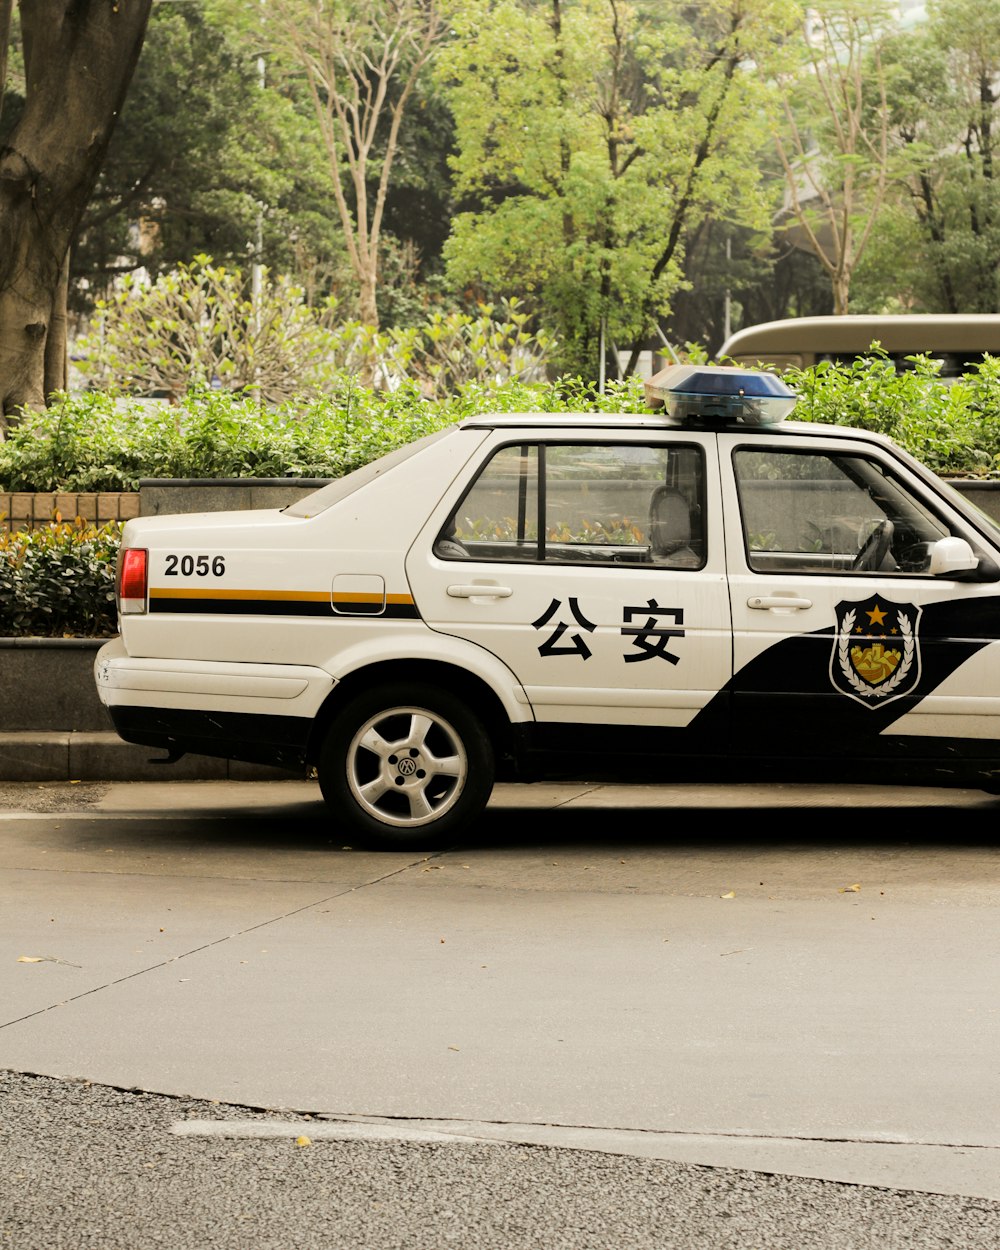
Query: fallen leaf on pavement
[850,889]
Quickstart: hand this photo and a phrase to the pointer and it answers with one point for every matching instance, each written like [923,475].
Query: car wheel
[406,766]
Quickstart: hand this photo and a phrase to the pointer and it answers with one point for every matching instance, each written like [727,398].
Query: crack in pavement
[196,950]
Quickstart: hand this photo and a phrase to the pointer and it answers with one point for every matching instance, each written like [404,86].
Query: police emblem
[876,652]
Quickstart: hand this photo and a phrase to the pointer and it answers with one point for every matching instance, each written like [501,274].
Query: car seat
[670,530]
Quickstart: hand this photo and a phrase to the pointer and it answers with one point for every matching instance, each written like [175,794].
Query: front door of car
[593,565]
[847,641]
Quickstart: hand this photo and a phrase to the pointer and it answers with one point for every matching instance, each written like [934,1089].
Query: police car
[518,594]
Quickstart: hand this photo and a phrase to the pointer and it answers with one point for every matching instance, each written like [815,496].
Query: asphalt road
[670,1016]
[88,1166]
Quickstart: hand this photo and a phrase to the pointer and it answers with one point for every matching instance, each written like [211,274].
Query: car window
[583,503]
[822,512]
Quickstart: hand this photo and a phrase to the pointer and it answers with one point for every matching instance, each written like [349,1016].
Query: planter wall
[162,496]
[48,683]
[34,510]
[985,495]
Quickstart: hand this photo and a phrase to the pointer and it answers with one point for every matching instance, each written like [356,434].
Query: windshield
[339,489]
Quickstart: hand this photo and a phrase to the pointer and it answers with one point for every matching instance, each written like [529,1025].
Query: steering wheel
[874,549]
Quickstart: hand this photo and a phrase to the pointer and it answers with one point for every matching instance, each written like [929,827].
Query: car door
[847,642]
[592,564]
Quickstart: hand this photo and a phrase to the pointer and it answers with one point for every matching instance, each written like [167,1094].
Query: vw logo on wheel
[406,767]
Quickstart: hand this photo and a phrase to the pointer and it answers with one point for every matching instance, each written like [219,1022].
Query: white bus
[959,340]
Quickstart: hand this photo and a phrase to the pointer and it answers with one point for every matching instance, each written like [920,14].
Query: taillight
[132,579]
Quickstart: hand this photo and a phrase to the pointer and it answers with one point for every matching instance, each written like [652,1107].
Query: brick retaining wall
[28,510]
[24,510]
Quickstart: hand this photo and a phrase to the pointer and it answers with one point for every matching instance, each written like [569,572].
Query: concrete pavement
[786,978]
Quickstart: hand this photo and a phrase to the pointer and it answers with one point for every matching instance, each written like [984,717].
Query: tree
[202,161]
[594,139]
[939,248]
[361,60]
[79,57]
[835,145]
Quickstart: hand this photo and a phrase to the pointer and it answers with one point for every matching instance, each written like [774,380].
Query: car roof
[655,421]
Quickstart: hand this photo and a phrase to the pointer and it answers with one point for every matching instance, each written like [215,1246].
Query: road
[625,986]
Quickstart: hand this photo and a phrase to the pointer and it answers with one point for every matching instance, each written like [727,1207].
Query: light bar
[718,393]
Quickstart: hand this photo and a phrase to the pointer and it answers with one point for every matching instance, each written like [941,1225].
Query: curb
[29,755]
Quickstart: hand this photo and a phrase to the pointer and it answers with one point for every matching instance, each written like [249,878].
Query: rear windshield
[332,493]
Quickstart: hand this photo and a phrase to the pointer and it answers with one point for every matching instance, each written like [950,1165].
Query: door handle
[479,591]
[777,603]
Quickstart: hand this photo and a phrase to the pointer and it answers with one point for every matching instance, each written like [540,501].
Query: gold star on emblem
[876,616]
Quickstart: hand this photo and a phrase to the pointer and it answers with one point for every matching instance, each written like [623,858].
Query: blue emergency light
[711,394]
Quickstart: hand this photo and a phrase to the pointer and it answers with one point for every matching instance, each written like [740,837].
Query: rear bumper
[280,741]
[261,713]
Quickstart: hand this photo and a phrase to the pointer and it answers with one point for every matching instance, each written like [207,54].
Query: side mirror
[951,555]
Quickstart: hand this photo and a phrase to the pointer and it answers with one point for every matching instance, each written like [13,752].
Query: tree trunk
[841,283]
[79,58]
[56,341]
[6,11]
[368,285]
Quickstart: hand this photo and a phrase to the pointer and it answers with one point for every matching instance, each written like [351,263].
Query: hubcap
[406,767]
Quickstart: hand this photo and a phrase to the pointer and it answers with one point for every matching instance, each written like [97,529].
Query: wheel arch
[468,686]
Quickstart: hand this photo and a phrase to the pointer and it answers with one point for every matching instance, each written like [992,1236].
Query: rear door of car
[592,563]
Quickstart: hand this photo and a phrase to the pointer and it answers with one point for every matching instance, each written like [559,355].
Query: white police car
[523,593]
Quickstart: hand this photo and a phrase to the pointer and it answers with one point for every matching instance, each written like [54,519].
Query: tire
[406,767]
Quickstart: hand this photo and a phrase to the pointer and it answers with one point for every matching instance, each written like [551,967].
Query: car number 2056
[195,566]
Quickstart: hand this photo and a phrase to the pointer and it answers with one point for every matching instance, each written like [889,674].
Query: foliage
[204,158]
[59,581]
[938,247]
[834,141]
[953,427]
[96,442]
[454,349]
[594,140]
[361,60]
[200,327]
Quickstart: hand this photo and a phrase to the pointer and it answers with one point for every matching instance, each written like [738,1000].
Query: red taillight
[132,579]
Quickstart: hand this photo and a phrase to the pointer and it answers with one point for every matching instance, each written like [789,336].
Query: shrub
[96,443]
[200,326]
[953,427]
[59,581]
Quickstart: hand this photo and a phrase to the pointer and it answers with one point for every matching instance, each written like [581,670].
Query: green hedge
[97,442]
[953,427]
[59,581]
